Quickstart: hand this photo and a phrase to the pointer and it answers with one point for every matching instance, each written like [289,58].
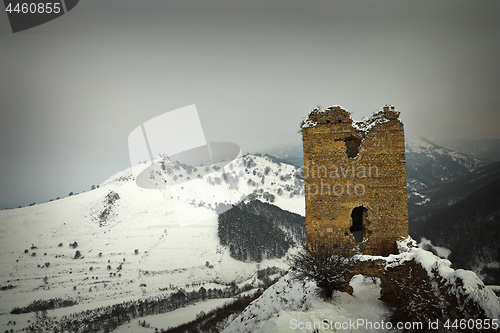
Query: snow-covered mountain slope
[129,239]
[428,163]
[293,306]
[290,305]
[284,181]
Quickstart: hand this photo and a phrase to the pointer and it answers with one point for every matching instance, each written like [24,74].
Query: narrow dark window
[358,216]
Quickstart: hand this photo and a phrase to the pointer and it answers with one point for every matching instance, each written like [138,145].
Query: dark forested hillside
[256,230]
[470,228]
[445,194]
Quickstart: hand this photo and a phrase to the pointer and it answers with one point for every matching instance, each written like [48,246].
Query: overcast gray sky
[73,89]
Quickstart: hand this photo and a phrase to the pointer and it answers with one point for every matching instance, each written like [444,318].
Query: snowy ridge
[422,146]
[429,164]
[485,148]
[262,174]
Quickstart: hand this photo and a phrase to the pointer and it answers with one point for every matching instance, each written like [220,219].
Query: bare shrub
[327,261]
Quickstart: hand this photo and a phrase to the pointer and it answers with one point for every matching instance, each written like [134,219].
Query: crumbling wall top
[336,114]
[383,115]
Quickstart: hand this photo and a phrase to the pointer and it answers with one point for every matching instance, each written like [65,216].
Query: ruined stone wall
[356,164]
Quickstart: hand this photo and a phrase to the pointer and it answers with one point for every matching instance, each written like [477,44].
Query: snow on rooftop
[306,123]
[378,117]
[364,125]
[309,123]
[337,106]
[320,109]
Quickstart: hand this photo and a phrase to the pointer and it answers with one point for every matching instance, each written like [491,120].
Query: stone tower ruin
[355,178]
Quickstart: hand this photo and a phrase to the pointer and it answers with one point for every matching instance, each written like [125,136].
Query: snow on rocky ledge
[460,280]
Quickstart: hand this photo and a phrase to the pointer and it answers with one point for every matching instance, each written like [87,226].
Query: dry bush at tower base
[327,261]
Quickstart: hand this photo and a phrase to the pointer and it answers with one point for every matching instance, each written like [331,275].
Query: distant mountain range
[485,148]
[293,154]
[428,163]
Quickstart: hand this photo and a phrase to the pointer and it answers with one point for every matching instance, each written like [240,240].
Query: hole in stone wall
[352,146]
[358,217]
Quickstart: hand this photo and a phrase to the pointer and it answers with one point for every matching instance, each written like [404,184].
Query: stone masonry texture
[355,178]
